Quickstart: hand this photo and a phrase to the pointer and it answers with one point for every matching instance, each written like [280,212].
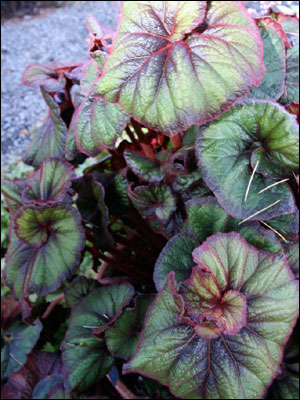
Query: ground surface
[56,34]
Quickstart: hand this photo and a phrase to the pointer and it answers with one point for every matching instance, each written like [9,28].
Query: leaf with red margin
[50,140]
[84,339]
[50,183]
[21,384]
[223,153]
[46,251]
[12,191]
[155,200]
[235,366]
[273,38]
[123,336]
[168,75]
[289,22]
[19,339]
[98,125]
[36,75]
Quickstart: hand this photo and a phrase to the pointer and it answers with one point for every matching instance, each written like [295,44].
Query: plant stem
[52,305]
[176,140]
[145,230]
[122,389]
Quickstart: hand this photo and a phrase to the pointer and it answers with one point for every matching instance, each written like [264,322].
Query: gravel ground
[57,34]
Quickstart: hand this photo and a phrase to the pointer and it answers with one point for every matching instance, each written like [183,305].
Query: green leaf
[287,225]
[36,75]
[12,191]
[185,182]
[22,383]
[116,195]
[98,124]
[155,200]
[286,384]
[50,140]
[244,359]
[92,207]
[224,149]
[272,85]
[206,217]
[93,315]
[123,336]
[292,76]
[48,253]
[267,166]
[19,339]
[90,74]
[293,257]
[180,247]
[78,289]
[166,73]
[50,183]
[44,386]
[146,169]
[261,238]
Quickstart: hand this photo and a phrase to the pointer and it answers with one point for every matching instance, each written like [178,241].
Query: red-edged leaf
[50,140]
[258,310]
[46,251]
[166,68]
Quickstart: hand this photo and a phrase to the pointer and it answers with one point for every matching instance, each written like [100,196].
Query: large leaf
[46,251]
[19,339]
[98,124]
[180,247]
[169,75]
[224,156]
[27,381]
[243,360]
[93,315]
[122,337]
[50,139]
[272,85]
